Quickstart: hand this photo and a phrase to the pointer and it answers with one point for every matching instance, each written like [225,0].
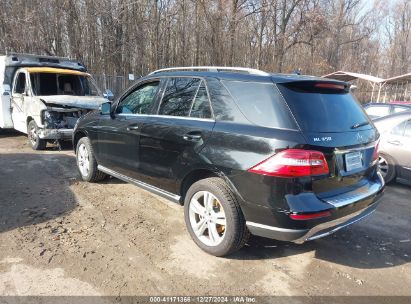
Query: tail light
[376,151]
[310,216]
[293,163]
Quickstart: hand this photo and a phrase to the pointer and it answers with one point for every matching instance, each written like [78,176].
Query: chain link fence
[115,84]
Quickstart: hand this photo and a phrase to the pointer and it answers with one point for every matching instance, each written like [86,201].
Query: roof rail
[213,69]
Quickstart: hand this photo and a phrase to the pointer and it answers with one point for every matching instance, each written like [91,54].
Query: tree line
[118,37]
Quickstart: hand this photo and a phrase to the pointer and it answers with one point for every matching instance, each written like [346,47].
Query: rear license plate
[353,161]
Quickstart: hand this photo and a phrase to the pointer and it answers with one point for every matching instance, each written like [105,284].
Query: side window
[178,96]
[398,129]
[201,105]
[224,107]
[399,109]
[140,100]
[20,83]
[378,111]
[261,104]
[407,131]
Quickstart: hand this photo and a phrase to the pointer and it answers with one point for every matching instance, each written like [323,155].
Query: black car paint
[154,149]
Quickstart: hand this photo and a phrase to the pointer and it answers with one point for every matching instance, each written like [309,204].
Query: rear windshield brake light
[322,85]
[293,163]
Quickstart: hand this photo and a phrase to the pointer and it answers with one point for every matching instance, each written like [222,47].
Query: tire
[230,237]
[35,141]
[386,164]
[86,162]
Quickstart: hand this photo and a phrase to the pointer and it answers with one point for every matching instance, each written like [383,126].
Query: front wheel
[213,217]
[36,142]
[86,162]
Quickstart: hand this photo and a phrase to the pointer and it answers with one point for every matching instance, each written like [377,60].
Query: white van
[44,96]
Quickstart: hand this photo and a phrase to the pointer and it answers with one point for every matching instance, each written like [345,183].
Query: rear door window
[201,105]
[319,109]
[261,104]
[178,96]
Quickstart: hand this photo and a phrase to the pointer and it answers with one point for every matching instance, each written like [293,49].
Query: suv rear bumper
[323,229]
[300,236]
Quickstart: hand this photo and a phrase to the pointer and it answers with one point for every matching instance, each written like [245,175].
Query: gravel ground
[61,236]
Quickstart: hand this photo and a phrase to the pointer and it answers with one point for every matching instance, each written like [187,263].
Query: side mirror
[108,95]
[105,108]
[6,90]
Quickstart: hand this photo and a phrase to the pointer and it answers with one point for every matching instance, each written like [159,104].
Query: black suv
[288,157]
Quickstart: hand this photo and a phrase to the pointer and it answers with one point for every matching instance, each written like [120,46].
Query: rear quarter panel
[235,148]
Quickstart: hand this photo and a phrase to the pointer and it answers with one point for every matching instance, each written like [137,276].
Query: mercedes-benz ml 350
[287,157]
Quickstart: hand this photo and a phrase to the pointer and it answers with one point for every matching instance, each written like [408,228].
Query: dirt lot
[62,236]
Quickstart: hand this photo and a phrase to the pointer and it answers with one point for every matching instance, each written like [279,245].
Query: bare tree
[136,36]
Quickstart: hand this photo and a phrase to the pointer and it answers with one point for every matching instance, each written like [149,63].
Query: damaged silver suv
[45,96]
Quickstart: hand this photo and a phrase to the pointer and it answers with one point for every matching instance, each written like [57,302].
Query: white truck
[44,96]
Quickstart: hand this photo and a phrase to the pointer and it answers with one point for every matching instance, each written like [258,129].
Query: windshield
[46,84]
[322,110]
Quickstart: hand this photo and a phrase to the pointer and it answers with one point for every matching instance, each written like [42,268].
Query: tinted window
[320,110]
[398,129]
[378,111]
[261,104]
[201,104]
[21,83]
[224,107]
[178,96]
[140,100]
[407,132]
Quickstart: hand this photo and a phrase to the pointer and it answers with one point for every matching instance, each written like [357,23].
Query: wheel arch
[199,174]
[76,137]
[194,176]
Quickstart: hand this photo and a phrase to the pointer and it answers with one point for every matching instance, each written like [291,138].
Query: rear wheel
[387,167]
[36,142]
[86,162]
[213,217]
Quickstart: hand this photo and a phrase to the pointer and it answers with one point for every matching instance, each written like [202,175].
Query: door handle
[395,142]
[133,128]
[192,137]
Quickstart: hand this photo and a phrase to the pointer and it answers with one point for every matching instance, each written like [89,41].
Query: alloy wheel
[83,160]
[207,218]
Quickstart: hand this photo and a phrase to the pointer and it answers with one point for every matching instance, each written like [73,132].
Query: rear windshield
[324,110]
[261,104]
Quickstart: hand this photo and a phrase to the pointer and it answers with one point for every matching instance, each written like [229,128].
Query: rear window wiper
[360,124]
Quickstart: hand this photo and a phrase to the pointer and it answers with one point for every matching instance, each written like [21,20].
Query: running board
[170,196]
